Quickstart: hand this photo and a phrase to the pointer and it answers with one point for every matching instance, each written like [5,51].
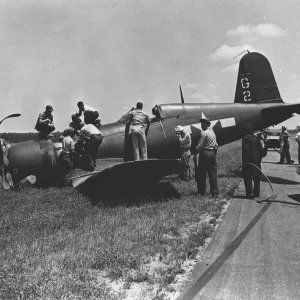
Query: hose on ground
[266,177]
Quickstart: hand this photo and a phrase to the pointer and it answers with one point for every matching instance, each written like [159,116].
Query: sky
[111,54]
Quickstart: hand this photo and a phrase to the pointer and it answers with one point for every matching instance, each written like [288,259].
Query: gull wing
[126,175]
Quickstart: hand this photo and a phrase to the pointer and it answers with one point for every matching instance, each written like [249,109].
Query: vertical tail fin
[256,82]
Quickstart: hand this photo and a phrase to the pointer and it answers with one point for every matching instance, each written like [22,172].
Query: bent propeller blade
[10,116]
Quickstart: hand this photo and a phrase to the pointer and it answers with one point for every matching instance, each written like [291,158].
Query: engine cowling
[37,158]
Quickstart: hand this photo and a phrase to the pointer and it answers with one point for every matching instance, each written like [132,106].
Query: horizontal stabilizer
[278,113]
[126,175]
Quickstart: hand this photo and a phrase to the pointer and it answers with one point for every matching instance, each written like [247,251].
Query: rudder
[256,82]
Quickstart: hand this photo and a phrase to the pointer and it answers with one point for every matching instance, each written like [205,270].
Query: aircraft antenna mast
[181,95]
[241,53]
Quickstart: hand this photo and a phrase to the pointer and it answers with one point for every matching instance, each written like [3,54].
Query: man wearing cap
[185,143]
[139,123]
[207,149]
[284,146]
[44,124]
[88,114]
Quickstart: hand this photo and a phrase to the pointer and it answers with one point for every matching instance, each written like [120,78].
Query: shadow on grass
[155,192]
[280,180]
[295,197]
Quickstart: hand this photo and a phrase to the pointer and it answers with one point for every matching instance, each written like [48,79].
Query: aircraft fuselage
[228,121]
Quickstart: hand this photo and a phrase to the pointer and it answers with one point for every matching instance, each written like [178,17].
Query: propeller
[5,182]
[10,116]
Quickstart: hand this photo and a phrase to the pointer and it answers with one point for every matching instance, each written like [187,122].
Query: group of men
[80,142]
[205,157]
[206,164]
[205,154]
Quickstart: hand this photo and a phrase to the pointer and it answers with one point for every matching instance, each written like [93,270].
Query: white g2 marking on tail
[245,83]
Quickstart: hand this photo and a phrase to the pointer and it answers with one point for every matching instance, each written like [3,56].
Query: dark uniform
[252,152]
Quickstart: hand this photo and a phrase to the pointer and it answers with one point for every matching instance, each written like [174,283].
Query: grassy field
[55,244]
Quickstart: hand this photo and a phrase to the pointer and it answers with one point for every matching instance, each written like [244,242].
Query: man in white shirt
[91,131]
[65,160]
[207,149]
[88,114]
[139,123]
[185,143]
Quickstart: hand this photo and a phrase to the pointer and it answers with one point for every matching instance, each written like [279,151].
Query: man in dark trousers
[252,153]
[207,149]
[95,136]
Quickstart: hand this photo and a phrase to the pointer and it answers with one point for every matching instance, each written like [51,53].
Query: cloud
[226,52]
[204,98]
[192,86]
[199,96]
[231,68]
[260,30]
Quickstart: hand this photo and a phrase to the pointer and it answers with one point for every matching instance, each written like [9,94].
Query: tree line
[17,137]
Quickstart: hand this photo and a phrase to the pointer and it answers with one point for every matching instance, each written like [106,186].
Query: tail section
[256,82]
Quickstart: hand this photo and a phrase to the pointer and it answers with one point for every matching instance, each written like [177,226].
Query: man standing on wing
[207,163]
[139,123]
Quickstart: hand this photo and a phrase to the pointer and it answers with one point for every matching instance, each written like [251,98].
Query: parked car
[272,140]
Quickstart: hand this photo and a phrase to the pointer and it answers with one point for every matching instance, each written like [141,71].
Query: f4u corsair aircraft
[257,101]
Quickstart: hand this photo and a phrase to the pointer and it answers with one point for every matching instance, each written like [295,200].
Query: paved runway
[255,252]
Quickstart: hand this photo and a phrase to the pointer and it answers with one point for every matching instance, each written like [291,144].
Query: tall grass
[55,244]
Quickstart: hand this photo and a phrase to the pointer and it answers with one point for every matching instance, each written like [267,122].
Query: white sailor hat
[179,128]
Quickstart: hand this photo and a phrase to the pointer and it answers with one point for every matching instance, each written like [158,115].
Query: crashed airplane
[257,101]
